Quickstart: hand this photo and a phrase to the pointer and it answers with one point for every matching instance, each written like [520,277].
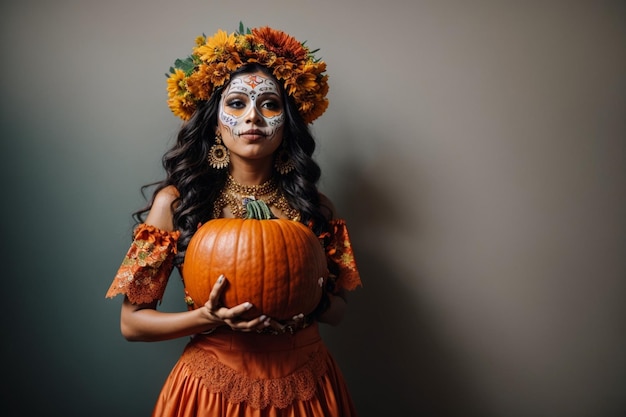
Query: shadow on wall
[391,352]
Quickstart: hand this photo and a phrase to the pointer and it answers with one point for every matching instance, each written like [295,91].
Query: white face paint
[252,102]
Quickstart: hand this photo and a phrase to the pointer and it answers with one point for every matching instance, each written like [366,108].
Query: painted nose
[253,116]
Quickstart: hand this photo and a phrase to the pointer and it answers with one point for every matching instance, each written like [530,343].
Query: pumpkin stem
[258,209]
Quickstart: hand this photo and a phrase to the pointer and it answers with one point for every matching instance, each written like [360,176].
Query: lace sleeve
[340,253]
[144,272]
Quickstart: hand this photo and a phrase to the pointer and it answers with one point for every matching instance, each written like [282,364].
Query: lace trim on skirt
[257,393]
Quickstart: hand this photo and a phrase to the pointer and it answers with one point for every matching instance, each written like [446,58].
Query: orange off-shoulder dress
[237,374]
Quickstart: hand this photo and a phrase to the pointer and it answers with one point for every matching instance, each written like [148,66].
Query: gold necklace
[236,196]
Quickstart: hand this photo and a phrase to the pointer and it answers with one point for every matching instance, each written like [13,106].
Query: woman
[246,100]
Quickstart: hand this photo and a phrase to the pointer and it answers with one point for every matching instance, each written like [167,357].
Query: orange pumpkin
[277,265]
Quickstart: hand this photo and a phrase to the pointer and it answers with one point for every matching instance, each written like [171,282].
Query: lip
[253,134]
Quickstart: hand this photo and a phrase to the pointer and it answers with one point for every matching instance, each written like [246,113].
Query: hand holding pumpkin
[285,326]
[232,317]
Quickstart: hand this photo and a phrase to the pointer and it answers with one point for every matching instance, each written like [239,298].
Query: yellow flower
[245,43]
[200,40]
[182,106]
[217,48]
[176,83]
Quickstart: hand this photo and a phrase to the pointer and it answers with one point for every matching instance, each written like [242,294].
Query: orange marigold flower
[323,90]
[305,106]
[306,81]
[234,62]
[264,57]
[283,70]
[320,67]
[220,74]
[316,111]
[291,87]
[199,83]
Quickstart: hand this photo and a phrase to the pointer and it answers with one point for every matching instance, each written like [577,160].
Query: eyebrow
[263,93]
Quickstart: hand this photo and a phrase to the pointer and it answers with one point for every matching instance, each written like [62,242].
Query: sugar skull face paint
[252,101]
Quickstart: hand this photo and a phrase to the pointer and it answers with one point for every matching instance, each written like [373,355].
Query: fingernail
[220,279]
[263,318]
[248,305]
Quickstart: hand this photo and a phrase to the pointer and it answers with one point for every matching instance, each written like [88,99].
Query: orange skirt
[240,374]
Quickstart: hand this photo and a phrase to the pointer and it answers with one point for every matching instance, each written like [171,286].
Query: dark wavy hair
[199,185]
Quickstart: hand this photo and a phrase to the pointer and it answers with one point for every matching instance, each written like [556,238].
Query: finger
[236,312]
[258,323]
[216,292]
[263,323]
[276,325]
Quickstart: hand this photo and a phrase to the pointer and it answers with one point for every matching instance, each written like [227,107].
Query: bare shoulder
[161,213]
[167,195]
[328,208]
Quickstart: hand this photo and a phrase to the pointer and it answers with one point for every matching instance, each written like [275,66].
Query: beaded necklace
[236,196]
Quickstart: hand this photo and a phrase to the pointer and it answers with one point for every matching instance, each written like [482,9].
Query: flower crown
[214,59]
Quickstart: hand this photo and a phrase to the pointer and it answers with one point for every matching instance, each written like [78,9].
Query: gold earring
[219,156]
[283,163]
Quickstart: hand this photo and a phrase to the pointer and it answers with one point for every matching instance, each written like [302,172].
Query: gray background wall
[477,150]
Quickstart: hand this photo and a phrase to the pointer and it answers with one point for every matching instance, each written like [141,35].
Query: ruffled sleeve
[339,252]
[144,272]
